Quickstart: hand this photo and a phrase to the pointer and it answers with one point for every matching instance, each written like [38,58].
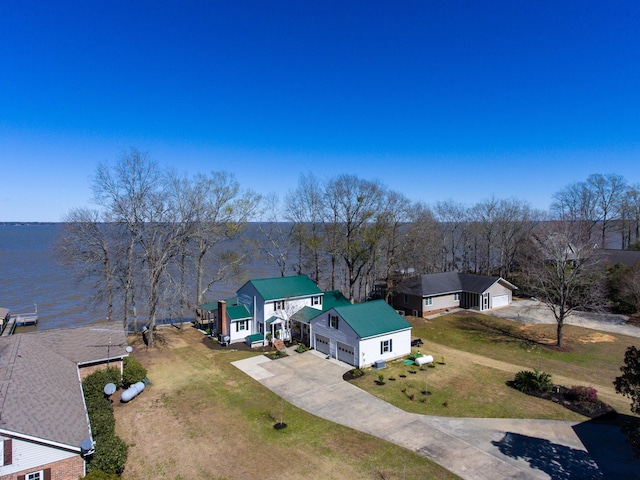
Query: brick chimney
[222,318]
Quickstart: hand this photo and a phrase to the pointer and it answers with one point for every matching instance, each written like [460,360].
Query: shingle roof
[85,344]
[370,319]
[449,282]
[40,392]
[281,288]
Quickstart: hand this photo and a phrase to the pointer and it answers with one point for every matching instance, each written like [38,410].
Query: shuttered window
[386,346]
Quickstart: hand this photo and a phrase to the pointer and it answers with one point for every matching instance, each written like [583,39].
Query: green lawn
[465,387]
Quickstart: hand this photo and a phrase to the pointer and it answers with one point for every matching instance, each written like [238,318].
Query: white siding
[370,347]
[30,456]
[367,351]
[239,336]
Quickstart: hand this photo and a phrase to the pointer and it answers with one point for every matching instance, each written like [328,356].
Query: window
[386,346]
[34,476]
[242,325]
[316,300]
[333,321]
[279,305]
[456,297]
[428,302]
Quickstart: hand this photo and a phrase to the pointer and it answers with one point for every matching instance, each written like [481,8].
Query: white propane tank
[424,359]
[132,391]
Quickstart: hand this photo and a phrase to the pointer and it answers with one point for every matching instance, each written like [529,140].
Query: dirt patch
[597,338]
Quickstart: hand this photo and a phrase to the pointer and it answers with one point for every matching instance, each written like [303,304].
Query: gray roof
[87,344]
[449,282]
[40,391]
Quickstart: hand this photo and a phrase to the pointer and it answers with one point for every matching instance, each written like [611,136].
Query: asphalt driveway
[483,449]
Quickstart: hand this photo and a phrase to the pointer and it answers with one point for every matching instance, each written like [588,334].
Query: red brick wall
[69,469]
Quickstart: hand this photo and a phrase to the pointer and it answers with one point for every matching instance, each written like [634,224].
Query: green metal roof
[270,320]
[238,312]
[334,298]
[306,314]
[330,299]
[281,288]
[374,318]
[256,337]
[211,306]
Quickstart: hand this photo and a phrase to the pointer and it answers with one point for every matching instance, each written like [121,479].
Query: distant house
[361,334]
[428,294]
[44,432]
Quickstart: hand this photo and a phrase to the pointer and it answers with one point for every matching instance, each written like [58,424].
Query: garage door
[345,353]
[500,301]
[322,344]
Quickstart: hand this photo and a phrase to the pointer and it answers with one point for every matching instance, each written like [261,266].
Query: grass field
[482,353]
[202,418]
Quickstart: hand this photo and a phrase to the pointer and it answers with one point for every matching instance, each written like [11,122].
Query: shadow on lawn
[607,455]
[480,326]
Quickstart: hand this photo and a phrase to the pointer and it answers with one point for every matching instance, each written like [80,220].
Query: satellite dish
[129,349]
[109,389]
[86,447]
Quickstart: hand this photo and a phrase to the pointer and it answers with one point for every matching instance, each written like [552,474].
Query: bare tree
[87,244]
[564,272]
[608,191]
[355,205]
[452,218]
[134,193]
[221,211]
[277,233]
[304,207]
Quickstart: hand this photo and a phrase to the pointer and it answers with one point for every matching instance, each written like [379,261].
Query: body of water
[30,274]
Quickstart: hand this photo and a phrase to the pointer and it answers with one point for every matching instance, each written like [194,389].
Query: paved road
[478,449]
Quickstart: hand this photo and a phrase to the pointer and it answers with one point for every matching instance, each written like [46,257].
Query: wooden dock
[8,323]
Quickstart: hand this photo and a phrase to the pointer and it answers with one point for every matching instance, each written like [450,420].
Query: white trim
[41,441]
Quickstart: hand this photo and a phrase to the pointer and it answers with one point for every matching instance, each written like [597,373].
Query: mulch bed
[591,409]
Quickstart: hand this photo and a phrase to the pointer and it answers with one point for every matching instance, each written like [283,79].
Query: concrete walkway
[483,449]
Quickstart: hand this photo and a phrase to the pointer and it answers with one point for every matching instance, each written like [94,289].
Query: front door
[485,301]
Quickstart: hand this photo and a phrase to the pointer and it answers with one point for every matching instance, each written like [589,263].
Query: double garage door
[345,352]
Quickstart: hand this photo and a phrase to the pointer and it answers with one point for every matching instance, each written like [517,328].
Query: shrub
[100,475]
[380,378]
[133,371]
[111,452]
[582,394]
[536,381]
[357,372]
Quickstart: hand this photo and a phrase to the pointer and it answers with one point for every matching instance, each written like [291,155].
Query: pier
[9,322]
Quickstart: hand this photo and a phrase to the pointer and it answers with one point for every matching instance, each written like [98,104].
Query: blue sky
[453,100]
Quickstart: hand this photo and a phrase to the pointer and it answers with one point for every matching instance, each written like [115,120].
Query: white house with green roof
[272,301]
[361,334]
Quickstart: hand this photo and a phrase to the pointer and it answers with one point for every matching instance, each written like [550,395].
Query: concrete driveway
[483,449]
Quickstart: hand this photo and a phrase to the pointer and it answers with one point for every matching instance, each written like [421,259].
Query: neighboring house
[44,431]
[361,334]
[428,294]
[262,307]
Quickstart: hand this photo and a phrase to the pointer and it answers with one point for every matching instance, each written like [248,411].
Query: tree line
[158,240]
